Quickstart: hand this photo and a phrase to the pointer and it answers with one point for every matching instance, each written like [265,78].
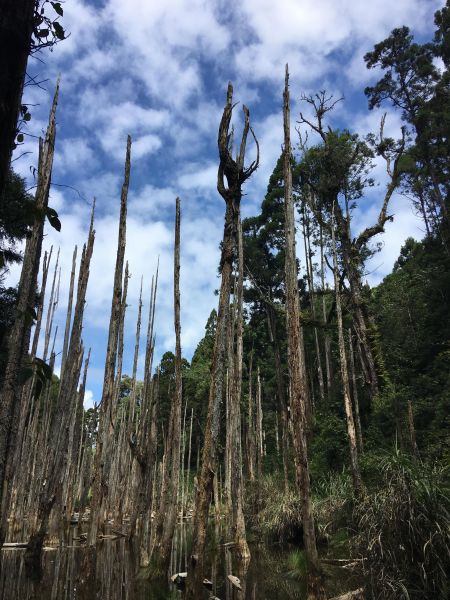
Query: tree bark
[20,334]
[296,371]
[351,431]
[236,175]
[16,29]
[106,426]
[58,438]
[168,514]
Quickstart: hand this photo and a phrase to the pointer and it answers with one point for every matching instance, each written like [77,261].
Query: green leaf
[27,116]
[42,33]
[58,8]
[53,218]
[20,137]
[59,31]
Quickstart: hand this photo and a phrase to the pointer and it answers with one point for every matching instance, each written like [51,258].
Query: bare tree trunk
[310,279]
[327,340]
[169,503]
[411,428]
[250,424]
[359,437]
[58,436]
[20,332]
[69,310]
[40,310]
[271,319]
[296,372]
[106,426]
[51,310]
[237,500]
[142,441]
[351,431]
[259,428]
[236,175]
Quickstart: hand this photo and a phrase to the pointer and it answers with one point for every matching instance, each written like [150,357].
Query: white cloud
[159,72]
[89,399]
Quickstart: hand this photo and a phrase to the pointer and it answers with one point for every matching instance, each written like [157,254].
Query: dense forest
[303,451]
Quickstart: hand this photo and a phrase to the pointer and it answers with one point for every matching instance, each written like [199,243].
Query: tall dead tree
[351,430]
[168,512]
[237,500]
[235,174]
[297,379]
[106,425]
[20,332]
[143,437]
[69,309]
[58,438]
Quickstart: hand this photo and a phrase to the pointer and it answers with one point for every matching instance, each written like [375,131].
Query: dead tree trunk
[296,372]
[351,431]
[237,500]
[69,310]
[236,174]
[20,333]
[106,426]
[67,395]
[168,513]
[52,303]
[359,437]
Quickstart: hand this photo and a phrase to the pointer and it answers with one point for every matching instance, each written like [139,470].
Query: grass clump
[404,531]
[274,512]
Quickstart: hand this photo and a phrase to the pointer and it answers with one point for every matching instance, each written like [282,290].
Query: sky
[158,70]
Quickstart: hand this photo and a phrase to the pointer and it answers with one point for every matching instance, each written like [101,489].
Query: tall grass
[275,513]
[404,531]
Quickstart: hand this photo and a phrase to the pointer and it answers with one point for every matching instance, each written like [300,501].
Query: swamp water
[65,575]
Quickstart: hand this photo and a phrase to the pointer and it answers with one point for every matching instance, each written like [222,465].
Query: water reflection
[74,573]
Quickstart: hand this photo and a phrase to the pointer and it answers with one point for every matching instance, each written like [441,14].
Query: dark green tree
[414,85]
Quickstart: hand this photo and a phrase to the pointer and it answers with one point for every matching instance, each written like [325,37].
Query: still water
[66,576]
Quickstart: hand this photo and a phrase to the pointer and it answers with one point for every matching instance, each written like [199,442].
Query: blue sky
[159,70]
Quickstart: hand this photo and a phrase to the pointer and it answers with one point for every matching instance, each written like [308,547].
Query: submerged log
[235,581]
[355,595]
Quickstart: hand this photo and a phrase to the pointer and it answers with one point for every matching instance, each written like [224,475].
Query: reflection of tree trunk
[297,379]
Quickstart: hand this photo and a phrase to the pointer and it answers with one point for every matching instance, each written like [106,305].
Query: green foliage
[17,214]
[412,83]
[411,307]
